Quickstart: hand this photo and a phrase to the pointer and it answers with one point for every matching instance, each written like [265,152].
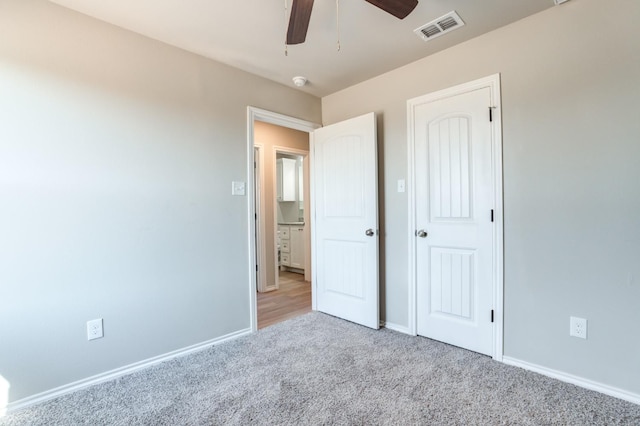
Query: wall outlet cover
[578,327]
[94,329]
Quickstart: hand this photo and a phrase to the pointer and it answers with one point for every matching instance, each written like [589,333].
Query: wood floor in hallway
[292,299]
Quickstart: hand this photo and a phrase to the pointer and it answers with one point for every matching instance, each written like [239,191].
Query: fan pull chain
[338,22]
[286,51]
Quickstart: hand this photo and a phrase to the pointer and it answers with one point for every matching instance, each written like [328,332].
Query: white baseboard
[395,327]
[118,372]
[574,380]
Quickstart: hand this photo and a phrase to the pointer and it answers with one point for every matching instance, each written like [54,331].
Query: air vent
[449,22]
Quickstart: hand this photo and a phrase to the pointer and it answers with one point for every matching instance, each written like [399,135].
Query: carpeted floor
[316,369]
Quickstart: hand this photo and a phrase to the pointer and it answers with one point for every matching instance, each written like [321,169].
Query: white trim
[395,327]
[257,114]
[498,236]
[493,83]
[312,221]
[261,244]
[306,166]
[119,372]
[574,380]
[251,208]
[412,262]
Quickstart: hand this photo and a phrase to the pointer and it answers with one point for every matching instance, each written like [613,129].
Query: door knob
[369,232]
[421,233]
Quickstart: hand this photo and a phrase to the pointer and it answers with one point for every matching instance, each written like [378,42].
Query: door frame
[259,221]
[256,114]
[493,83]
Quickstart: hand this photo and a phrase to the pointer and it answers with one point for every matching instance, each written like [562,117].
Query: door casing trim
[260,224]
[493,83]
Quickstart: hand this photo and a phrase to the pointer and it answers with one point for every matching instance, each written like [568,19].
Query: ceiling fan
[301,14]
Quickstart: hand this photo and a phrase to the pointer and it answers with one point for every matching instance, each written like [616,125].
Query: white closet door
[454,202]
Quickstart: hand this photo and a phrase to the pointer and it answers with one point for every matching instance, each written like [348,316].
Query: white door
[454,198]
[346,220]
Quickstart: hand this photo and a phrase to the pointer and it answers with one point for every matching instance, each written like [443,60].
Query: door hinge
[492,315]
[491,215]
[490,114]
[256,268]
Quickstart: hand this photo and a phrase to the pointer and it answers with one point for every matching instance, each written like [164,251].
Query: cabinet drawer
[284,232]
[284,246]
[284,259]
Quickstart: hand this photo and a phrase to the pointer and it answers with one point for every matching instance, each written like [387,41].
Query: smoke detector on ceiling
[299,80]
[444,24]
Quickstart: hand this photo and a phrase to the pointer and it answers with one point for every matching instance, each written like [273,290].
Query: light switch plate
[400,185]
[237,188]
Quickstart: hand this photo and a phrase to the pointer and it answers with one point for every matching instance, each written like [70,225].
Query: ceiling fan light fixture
[299,80]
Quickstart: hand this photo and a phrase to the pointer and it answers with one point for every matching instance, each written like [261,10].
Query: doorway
[292,202]
[287,290]
[291,299]
[278,289]
[343,198]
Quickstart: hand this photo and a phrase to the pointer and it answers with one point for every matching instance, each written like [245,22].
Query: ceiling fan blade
[398,8]
[299,21]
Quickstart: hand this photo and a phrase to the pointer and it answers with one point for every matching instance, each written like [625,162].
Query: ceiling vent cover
[449,22]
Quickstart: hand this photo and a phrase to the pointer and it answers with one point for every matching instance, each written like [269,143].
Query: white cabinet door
[297,247]
[345,220]
[286,179]
[278,180]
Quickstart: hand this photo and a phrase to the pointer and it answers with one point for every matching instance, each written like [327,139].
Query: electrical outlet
[94,329]
[578,327]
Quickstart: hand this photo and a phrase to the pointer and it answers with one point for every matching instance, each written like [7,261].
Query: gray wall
[116,160]
[571,123]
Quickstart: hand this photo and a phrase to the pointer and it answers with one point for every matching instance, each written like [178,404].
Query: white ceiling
[249,34]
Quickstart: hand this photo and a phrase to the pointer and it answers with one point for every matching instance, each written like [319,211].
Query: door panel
[346,206]
[452,282]
[343,182]
[344,261]
[449,168]
[454,198]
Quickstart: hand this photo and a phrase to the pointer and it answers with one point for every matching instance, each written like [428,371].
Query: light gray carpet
[316,369]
